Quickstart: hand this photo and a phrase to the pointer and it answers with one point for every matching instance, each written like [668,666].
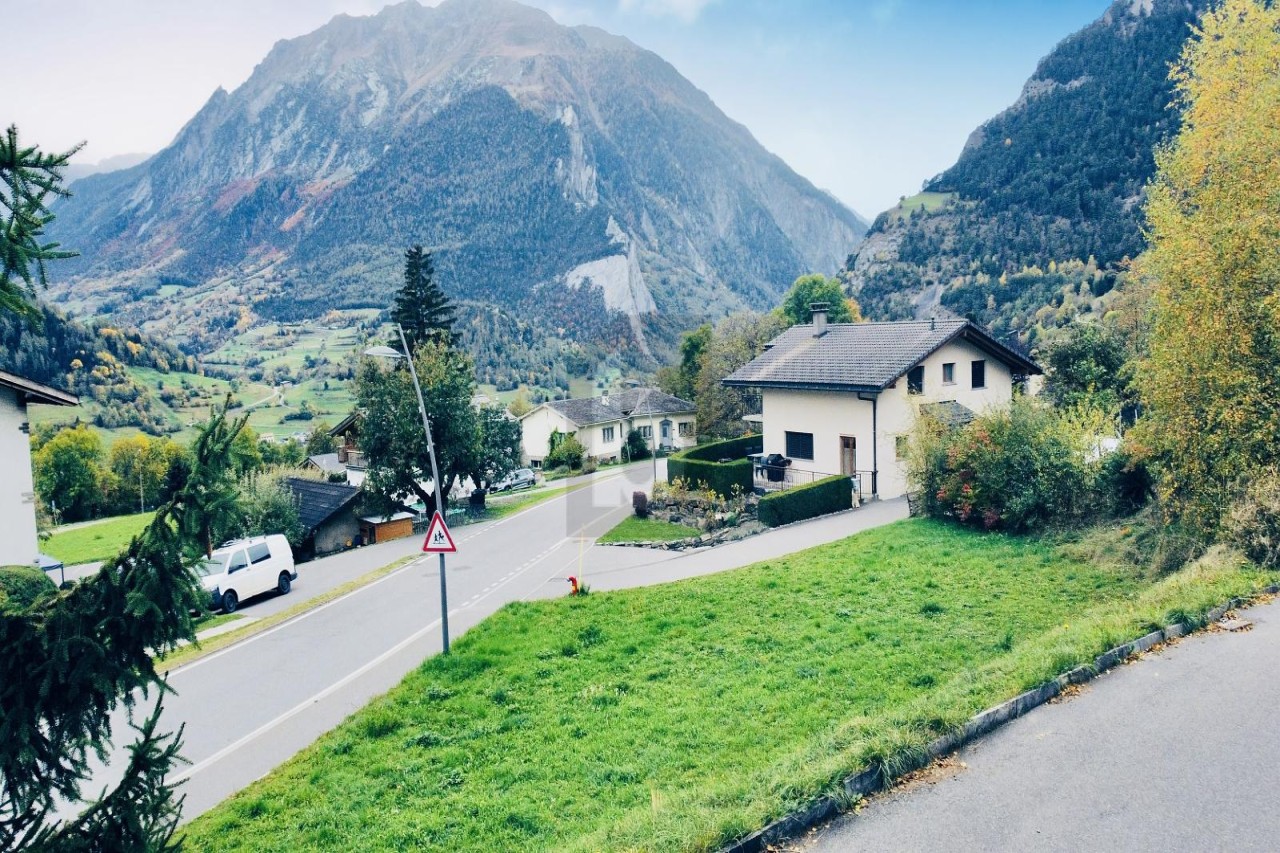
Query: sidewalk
[606,567]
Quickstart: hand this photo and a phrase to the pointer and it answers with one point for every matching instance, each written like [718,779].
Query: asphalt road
[1176,751]
[249,707]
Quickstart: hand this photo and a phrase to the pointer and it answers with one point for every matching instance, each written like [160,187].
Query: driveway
[1176,751]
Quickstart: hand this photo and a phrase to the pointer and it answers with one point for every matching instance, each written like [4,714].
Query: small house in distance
[18,542]
[602,424]
[841,398]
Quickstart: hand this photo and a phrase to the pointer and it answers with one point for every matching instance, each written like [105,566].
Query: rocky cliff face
[535,160]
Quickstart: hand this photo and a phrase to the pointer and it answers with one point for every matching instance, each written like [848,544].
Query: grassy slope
[94,542]
[632,529]
[675,717]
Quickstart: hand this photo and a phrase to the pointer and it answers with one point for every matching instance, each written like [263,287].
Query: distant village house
[602,424]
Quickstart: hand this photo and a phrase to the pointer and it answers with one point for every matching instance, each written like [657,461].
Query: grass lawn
[632,529]
[95,542]
[680,716]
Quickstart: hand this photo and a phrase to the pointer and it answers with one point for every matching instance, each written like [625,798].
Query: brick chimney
[819,313]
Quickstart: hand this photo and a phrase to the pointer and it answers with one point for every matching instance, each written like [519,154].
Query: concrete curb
[875,779]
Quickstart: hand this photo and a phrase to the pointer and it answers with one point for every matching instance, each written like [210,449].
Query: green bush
[20,586]
[701,467]
[567,453]
[828,495]
[1017,469]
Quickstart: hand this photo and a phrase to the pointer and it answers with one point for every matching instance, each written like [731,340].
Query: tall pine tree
[29,179]
[421,307]
[71,657]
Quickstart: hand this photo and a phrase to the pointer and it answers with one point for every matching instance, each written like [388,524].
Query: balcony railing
[777,478]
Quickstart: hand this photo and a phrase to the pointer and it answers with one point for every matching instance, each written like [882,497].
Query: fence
[792,477]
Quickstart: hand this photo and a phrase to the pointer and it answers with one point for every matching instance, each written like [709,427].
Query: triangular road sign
[438,539]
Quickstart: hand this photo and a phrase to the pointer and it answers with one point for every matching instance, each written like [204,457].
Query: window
[949,373]
[237,563]
[686,429]
[900,444]
[608,434]
[800,445]
[646,432]
[915,380]
[259,553]
[979,374]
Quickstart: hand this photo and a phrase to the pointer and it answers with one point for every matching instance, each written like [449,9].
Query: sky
[865,98]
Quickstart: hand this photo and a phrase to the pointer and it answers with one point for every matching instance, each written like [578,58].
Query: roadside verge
[882,775]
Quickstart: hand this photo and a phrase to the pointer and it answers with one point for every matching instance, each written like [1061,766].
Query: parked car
[521,478]
[247,567]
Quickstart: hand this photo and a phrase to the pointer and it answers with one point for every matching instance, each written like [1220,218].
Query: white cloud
[686,10]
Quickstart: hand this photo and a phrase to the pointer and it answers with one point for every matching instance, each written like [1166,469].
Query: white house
[841,398]
[18,542]
[602,424]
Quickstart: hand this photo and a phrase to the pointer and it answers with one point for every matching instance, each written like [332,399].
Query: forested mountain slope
[1045,202]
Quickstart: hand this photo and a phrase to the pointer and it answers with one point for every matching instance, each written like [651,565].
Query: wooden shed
[380,528]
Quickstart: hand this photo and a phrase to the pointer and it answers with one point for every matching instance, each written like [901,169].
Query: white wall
[829,415]
[18,544]
[536,428]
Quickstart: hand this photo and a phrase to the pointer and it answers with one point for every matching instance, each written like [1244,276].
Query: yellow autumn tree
[1211,377]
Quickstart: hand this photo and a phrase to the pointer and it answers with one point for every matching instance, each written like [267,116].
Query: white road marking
[348,679]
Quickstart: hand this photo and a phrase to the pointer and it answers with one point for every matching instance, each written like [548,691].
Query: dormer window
[915,380]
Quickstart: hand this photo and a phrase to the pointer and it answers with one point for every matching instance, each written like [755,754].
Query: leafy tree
[499,437]
[69,476]
[140,469]
[808,289]
[520,405]
[264,505]
[29,180]
[72,658]
[288,453]
[737,340]
[319,441]
[391,433]
[1209,380]
[682,380]
[421,307]
[1088,367]
[246,451]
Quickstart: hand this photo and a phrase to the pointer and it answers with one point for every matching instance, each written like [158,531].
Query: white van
[245,568]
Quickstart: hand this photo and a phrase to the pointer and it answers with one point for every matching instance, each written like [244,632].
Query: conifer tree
[421,307]
[29,178]
[73,656]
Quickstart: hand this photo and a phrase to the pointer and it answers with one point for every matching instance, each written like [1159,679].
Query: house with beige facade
[18,542]
[842,398]
[602,423]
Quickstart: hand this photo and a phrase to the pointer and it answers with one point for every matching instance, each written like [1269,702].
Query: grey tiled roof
[862,356]
[328,463]
[318,502]
[632,403]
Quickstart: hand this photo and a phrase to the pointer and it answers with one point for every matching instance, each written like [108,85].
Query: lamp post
[388,352]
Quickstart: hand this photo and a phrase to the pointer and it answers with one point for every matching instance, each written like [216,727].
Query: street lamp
[388,352]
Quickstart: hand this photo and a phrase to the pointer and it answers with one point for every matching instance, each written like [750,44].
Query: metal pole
[435,480]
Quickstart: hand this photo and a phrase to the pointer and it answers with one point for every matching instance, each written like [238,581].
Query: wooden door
[848,455]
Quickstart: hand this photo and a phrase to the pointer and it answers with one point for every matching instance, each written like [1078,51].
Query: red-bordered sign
[438,539]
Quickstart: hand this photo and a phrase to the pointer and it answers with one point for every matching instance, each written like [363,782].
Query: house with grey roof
[841,398]
[18,542]
[602,423]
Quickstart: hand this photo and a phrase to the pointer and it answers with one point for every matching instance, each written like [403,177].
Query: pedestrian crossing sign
[438,539]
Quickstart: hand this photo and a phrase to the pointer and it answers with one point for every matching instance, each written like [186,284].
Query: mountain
[76,171]
[1035,220]
[564,177]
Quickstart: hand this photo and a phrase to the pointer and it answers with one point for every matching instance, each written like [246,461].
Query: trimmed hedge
[701,466]
[828,495]
[22,585]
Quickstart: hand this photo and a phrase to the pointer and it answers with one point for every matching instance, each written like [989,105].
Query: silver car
[521,478]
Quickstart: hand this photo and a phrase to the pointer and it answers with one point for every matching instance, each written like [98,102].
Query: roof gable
[318,502]
[862,356]
[34,392]
[636,402]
